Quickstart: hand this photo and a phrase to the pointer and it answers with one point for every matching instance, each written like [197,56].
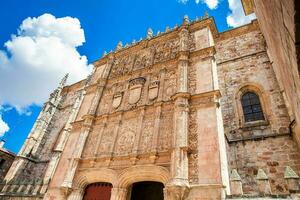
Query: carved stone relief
[91,142]
[193,147]
[125,142]
[126,137]
[167,50]
[105,101]
[147,133]
[107,140]
[145,58]
[170,84]
[122,65]
[166,129]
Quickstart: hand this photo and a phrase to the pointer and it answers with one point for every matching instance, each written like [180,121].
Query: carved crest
[117,99]
[135,90]
[153,90]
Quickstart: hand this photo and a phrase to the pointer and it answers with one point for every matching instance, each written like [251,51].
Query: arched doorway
[147,190]
[98,191]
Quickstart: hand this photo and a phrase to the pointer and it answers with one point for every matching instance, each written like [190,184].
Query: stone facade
[165,109]
[6,160]
[279,22]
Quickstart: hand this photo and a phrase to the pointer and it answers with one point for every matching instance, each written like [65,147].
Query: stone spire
[38,131]
[149,33]
[186,20]
[63,81]
[119,46]
[206,15]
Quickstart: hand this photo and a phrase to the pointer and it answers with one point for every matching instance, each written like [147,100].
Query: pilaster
[179,159]
[87,124]
[118,193]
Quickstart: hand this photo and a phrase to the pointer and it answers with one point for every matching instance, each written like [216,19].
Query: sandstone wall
[244,63]
[276,20]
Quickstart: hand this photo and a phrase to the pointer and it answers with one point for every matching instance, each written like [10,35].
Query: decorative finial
[104,53]
[186,19]
[234,176]
[158,33]
[206,15]
[133,41]
[261,175]
[289,173]
[149,33]
[119,46]
[63,80]
[167,29]
[126,45]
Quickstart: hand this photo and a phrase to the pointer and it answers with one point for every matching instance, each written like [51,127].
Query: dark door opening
[147,190]
[98,191]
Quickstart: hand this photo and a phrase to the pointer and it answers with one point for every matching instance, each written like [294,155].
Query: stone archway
[120,182]
[98,191]
[146,190]
[86,177]
[135,174]
[143,173]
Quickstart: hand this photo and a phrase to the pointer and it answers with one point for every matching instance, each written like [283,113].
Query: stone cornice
[253,26]
[213,93]
[204,53]
[174,33]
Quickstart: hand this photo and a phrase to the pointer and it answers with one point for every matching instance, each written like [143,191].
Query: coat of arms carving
[135,89]
[153,90]
[117,99]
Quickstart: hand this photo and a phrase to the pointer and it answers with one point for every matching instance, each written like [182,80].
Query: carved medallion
[135,90]
[125,142]
[117,99]
[153,90]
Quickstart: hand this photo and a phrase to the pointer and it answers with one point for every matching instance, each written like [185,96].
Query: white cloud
[211,4]
[37,57]
[237,16]
[3,125]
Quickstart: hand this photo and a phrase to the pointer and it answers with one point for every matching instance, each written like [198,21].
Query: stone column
[118,193]
[88,120]
[175,192]
[61,143]
[76,194]
[179,160]
[73,164]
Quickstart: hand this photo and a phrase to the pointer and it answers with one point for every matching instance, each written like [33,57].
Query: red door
[98,191]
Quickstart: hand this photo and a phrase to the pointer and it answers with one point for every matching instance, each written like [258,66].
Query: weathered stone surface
[160,110]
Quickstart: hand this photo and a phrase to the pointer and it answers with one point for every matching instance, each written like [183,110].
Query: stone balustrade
[21,188]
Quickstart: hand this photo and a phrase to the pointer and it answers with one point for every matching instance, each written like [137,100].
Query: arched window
[252,107]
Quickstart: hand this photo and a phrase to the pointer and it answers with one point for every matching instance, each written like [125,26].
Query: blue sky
[104,24]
